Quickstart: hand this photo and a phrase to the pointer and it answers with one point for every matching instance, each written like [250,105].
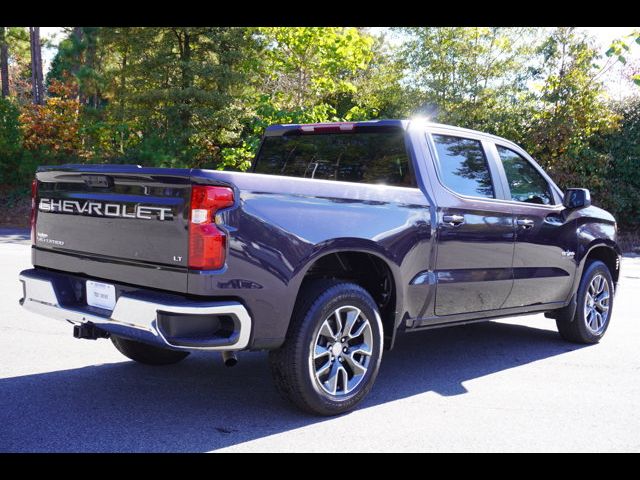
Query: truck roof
[283,129]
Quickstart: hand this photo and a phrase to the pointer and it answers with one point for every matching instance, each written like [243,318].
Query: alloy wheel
[341,351]
[596,304]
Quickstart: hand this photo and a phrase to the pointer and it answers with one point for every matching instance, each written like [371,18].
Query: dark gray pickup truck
[341,236]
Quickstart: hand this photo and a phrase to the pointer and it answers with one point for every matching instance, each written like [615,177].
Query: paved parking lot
[511,385]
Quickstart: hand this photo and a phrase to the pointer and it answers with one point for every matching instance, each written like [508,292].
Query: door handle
[453,220]
[525,222]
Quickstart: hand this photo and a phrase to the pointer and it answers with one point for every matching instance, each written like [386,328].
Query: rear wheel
[147,354]
[594,303]
[333,349]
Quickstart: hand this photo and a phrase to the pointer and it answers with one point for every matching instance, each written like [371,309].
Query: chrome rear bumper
[134,315]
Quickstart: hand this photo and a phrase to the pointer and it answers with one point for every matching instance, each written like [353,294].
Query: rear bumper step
[176,323]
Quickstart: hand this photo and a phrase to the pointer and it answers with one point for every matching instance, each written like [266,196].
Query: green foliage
[10,137]
[469,76]
[202,96]
[571,113]
[307,75]
[52,129]
[62,62]
[10,141]
[623,176]
[620,48]
[181,88]
[165,94]
[303,65]
[17,39]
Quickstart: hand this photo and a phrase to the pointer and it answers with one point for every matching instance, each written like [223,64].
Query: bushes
[202,96]
[32,135]
[52,129]
[622,180]
[10,141]
[607,163]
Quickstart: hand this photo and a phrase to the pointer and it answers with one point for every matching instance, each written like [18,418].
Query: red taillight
[207,244]
[34,210]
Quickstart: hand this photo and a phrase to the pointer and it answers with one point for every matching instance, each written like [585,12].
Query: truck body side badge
[568,253]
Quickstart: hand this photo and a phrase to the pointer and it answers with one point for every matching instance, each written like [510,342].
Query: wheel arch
[363,265]
[607,252]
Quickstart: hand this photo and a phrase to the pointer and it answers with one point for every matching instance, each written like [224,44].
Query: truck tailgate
[127,215]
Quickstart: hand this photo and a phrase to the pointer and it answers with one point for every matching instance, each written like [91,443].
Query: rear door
[543,264]
[475,234]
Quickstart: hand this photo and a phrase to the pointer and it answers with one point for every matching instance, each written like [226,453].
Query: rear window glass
[378,157]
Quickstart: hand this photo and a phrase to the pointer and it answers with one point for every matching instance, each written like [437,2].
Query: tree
[473,77]
[377,89]
[51,130]
[305,64]
[202,96]
[623,147]
[4,63]
[571,113]
[88,75]
[67,58]
[178,88]
[77,56]
[10,141]
[619,51]
[305,74]
[169,96]
[19,64]
[37,85]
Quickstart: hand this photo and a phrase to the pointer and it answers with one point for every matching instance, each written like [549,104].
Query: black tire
[575,328]
[292,366]
[147,354]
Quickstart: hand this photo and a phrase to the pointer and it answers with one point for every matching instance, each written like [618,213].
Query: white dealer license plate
[101,295]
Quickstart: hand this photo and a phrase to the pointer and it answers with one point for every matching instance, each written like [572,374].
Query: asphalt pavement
[509,385]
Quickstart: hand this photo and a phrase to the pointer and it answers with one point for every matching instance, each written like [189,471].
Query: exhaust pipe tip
[229,358]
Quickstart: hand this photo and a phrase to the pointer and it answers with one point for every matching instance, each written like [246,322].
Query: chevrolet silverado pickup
[340,236]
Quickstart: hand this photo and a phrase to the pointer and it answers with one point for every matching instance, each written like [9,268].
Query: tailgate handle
[98,181]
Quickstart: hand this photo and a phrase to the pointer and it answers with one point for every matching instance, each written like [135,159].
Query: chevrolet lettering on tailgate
[97,209]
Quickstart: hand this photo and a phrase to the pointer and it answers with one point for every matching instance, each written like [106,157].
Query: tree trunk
[187,83]
[91,63]
[37,83]
[78,37]
[4,63]
[123,89]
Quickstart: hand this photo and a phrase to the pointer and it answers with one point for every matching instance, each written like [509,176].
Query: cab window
[525,181]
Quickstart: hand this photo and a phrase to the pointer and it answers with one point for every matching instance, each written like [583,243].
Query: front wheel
[332,352]
[594,303]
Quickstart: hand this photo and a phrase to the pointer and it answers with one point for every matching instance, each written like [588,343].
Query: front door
[543,264]
[475,237]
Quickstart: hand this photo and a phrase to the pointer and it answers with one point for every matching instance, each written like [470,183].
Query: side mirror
[576,198]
